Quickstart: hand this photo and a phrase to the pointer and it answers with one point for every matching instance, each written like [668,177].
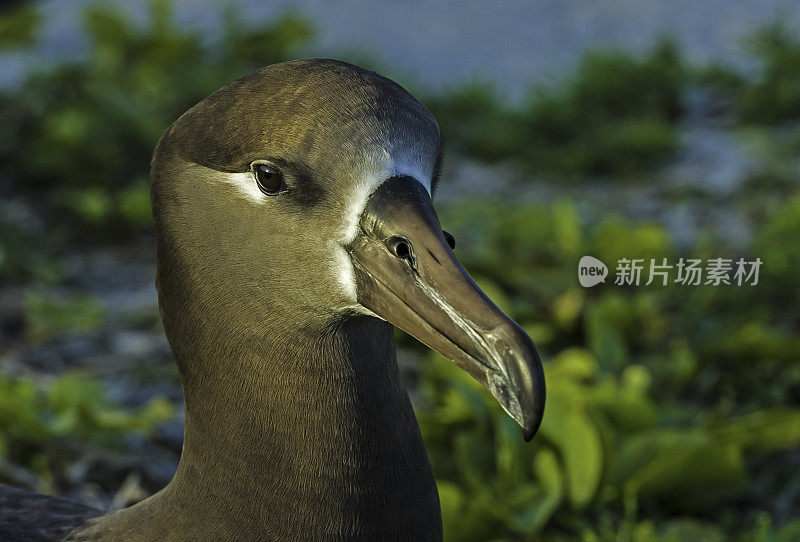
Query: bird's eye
[269,179]
[450,239]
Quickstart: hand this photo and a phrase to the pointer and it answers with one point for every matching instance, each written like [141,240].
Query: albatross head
[300,195]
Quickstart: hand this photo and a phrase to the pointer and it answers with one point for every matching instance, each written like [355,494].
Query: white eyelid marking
[245,184]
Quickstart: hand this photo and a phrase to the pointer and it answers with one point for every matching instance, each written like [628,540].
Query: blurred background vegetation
[673,412]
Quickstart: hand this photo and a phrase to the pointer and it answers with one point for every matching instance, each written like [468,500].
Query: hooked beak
[408,275]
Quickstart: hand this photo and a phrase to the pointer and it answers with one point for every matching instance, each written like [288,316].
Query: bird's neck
[304,438]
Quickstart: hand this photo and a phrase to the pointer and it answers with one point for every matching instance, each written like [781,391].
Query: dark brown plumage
[278,310]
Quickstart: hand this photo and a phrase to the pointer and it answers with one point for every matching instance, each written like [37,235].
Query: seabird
[294,229]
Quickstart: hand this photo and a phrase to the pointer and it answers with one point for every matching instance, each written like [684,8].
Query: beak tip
[531,428]
[533,396]
[520,389]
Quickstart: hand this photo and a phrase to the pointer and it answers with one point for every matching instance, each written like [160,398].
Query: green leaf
[605,324]
[573,364]
[475,460]
[451,500]
[690,464]
[567,424]
[568,230]
[567,307]
[690,530]
[766,430]
[550,477]
[511,454]
[627,407]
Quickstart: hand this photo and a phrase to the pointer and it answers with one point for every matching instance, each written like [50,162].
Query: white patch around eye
[245,184]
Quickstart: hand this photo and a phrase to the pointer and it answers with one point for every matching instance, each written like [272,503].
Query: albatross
[294,230]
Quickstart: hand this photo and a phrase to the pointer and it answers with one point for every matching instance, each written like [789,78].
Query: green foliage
[615,115]
[473,120]
[771,94]
[48,317]
[530,253]
[86,131]
[614,448]
[775,94]
[71,409]
[600,443]
[80,408]
[777,242]
[24,255]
